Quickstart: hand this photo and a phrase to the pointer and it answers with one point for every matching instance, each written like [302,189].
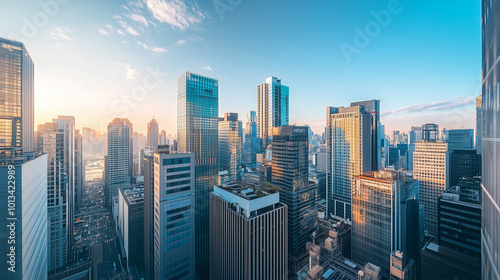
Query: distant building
[230,145]
[272,108]
[153,135]
[79,170]
[174,216]
[479,127]
[130,224]
[460,139]
[385,217]
[459,223]
[248,233]
[149,209]
[464,163]
[252,142]
[415,134]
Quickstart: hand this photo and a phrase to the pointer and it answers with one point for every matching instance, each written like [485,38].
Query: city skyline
[217,44]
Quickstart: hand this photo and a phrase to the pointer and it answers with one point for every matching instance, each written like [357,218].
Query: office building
[79,170]
[17,91]
[163,138]
[402,267]
[431,169]
[272,108]
[24,225]
[230,144]
[197,132]
[174,216]
[372,107]
[459,218]
[119,161]
[290,173]
[479,129]
[490,145]
[153,135]
[459,139]
[385,217]
[348,147]
[248,233]
[464,164]
[415,134]
[149,216]
[130,225]
[252,141]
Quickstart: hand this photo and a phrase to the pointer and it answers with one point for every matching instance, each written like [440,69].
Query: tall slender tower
[197,132]
[479,126]
[490,145]
[23,174]
[153,135]
[348,153]
[272,108]
[230,144]
[119,165]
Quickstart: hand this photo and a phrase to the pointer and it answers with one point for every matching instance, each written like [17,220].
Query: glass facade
[272,108]
[197,132]
[153,135]
[119,164]
[490,240]
[348,140]
[230,144]
[16,99]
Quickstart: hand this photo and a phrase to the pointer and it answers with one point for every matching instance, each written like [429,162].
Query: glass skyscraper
[230,144]
[272,108]
[153,135]
[197,132]
[479,127]
[16,98]
[490,241]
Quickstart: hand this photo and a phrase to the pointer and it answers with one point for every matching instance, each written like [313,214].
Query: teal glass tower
[197,132]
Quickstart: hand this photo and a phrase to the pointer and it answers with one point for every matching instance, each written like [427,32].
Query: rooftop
[133,194]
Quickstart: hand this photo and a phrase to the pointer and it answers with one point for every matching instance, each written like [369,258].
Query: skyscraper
[290,173]
[197,132]
[415,134]
[119,163]
[248,233]
[153,135]
[385,217]
[431,169]
[459,139]
[17,91]
[53,140]
[464,163]
[174,216]
[252,142]
[163,138]
[230,144]
[149,215]
[272,108]
[490,145]
[348,142]
[479,127]
[79,170]
[372,107]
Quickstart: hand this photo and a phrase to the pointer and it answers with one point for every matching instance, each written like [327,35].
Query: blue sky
[98,60]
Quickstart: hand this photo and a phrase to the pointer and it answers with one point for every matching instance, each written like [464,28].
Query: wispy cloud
[177,13]
[180,42]
[128,28]
[137,17]
[61,33]
[153,48]
[456,102]
[207,68]
[102,31]
[130,72]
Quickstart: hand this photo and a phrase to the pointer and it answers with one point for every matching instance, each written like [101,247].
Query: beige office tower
[430,168]
[248,233]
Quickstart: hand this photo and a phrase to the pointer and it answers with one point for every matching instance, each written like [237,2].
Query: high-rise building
[174,216]
[197,132]
[79,170]
[459,139]
[415,134]
[230,144]
[402,267]
[290,173]
[248,233]
[272,108]
[56,139]
[431,169]
[479,129]
[348,147]
[385,217]
[119,163]
[153,135]
[17,92]
[372,107]
[464,163]
[163,138]
[459,218]
[149,216]
[252,141]
[490,145]
[130,224]
[23,218]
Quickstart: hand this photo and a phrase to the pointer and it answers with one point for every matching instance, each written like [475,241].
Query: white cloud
[153,48]
[128,28]
[59,33]
[180,42]
[102,31]
[138,18]
[177,13]
[456,102]
[207,68]
[130,73]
